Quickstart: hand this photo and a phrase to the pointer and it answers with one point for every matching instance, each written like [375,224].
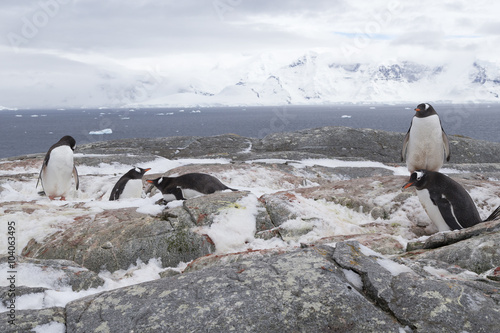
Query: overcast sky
[187,34]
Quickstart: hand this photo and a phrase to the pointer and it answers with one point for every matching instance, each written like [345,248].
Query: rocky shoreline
[382,276]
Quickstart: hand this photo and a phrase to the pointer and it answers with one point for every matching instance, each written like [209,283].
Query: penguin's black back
[452,200]
[199,182]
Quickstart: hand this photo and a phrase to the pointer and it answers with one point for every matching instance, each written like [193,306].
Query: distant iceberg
[346,116]
[101,132]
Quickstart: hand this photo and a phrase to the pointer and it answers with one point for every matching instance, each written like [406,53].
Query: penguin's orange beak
[409,184]
[149,181]
[146,170]
[417,109]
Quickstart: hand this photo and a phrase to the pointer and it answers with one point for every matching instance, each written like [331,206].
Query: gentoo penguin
[129,185]
[187,186]
[57,169]
[446,202]
[426,143]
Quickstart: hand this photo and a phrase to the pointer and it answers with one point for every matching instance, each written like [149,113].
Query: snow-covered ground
[233,230]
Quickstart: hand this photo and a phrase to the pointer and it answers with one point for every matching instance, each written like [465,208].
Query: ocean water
[34,131]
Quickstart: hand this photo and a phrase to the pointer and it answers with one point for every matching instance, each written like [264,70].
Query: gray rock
[19,291]
[115,239]
[301,291]
[69,272]
[337,142]
[27,320]
[369,144]
[477,254]
[447,238]
[423,303]
[175,147]
[279,207]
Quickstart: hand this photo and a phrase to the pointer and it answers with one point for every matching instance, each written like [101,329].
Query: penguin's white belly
[56,176]
[169,197]
[189,193]
[132,189]
[425,149]
[186,193]
[432,210]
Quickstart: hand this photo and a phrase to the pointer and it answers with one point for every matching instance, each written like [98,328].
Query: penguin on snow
[129,185]
[188,186]
[58,168]
[426,143]
[446,202]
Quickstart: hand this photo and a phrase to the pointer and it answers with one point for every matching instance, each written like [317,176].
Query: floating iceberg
[346,116]
[101,132]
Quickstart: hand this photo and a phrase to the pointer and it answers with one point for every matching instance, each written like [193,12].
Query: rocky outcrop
[346,288]
[332,142]
[373,275]
[115,240]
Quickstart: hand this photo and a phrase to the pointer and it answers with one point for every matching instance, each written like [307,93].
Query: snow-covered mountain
[316,79]
[313,78]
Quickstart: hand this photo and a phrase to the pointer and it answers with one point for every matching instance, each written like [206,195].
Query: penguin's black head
[137,173]
[68,140]
[418,179]
[158,182]
[424,110]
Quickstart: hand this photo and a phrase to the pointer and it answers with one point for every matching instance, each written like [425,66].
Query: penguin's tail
[494,216]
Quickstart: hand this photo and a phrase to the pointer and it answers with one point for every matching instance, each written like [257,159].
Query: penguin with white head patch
[187,186]
[129,185]
[426,144]
[58,168]
[446,202]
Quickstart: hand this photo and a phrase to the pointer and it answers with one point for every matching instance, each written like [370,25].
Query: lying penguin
[58,168]
[129,185]
[187,186]
[447,203]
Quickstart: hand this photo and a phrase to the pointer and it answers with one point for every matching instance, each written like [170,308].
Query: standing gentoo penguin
[446,202]
[129,185]
[57,169]
[187,186]
[426,143]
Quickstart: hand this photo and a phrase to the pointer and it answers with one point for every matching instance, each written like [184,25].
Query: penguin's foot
[63,198]
[51,197]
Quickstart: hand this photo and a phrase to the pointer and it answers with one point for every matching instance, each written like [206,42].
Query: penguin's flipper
[39,177]
[494,216]
[446,144]
[117,190]
[179,195]
[446,210]
[75,174]
[44,165]
[405,145]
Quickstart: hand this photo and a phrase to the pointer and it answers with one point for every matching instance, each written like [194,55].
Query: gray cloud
[80,36]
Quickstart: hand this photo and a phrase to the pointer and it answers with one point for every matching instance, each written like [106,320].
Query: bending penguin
[58,168]
[187,186]
[426,143]
[447,203]
[129,185]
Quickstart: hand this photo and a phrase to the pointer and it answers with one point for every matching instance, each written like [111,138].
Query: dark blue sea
[34,131]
